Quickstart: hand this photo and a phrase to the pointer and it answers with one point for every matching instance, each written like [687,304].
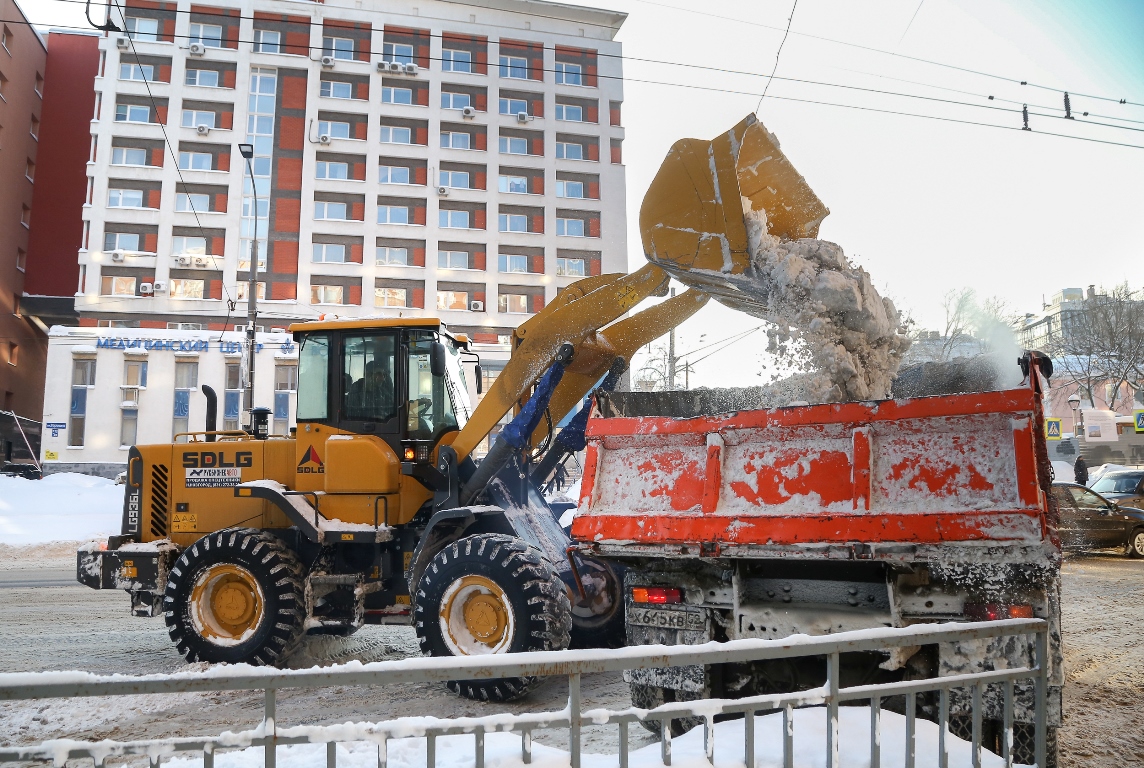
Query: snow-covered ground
[62,506]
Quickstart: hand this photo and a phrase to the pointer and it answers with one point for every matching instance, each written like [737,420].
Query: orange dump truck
[821,519]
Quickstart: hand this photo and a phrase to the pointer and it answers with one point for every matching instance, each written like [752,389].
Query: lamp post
[247,151]
[1074,403]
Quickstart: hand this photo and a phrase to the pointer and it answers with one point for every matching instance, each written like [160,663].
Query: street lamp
[247,151]
[1074,403]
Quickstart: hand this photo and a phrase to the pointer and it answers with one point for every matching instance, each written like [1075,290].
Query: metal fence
[570,664]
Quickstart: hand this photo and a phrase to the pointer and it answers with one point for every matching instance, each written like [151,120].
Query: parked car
[1090,521]
[26,471]
[1125,487]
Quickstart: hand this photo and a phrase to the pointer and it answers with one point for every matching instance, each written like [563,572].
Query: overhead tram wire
[602,54]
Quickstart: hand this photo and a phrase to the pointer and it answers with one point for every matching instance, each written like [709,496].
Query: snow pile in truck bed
[63,506]
[850,336]
[502,750]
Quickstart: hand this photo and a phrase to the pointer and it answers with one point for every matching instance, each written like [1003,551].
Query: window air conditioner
[324,139]
[117,256]
[476,306]
[443,191]
[522,117]
[159,286]
[197,49]
[469,112]
[203,129]
[396,66]
[184,261]
[411,69]
[328,62]
[122,43]
[383,66]
[200,261]
[146,289]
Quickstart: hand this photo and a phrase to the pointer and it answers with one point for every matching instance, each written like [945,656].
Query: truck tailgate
[926,470]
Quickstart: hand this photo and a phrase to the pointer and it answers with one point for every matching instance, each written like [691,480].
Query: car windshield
[1119,482]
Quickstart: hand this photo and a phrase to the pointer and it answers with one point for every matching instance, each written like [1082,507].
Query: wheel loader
[376,511]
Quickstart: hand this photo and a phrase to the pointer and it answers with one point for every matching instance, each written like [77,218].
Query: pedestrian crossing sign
[1053,429]
[1138,417]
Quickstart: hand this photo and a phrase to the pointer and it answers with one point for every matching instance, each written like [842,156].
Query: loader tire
[486,594]
[235,596]
[652,696]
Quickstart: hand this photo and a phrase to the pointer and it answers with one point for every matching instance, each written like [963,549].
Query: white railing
[571,664]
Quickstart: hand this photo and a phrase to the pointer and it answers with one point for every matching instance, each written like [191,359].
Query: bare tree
[652,375]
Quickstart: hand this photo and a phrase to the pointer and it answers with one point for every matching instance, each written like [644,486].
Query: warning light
[409,454]
[657,595]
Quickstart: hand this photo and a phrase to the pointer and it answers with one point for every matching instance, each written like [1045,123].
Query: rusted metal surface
[960,468]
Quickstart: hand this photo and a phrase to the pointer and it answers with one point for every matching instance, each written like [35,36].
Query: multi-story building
[462,159]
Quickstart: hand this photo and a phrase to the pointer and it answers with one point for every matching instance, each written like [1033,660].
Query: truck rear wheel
[652,696]
[235,596]
[486,594]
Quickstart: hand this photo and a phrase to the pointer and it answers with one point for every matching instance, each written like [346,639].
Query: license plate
[666,619]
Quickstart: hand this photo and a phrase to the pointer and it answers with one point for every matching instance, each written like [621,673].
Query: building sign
[172,345]
[1052,429]
[55,426]
[1100,426]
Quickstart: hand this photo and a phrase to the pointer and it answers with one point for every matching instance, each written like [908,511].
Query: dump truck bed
[917,474]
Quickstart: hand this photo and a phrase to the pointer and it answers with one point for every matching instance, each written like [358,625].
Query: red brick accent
[594,151]
[480,180]
[537,146]
[355,294]
[537,301]
[537,107]
[223,161]
[481,102]
[280,291]
[151,242]
[418,256]
[226,121]
[537,225]
[485,338]
[594,190]
[287,215]
[361,91]
[152,324]
[592,113]
[417,300]
[478,296]
[617,154]
[164,73]
[356,255]
[422,96]
[157,155]
[285,258]
[359,130]
[217,246]
[537,266]
[357,169]
[480,260]
[153,197]
[168,33]
[479,218]
[481,141]
[217,326]
[297,43]
[614,114]
[593,227]
[289,173]
[357,211]
[419,175]
[293,93]
[214,289]
[220,200]
[595,267]
[421,135]
[161,115]
[228,78]
[536,184]
[291,132]
[89,322]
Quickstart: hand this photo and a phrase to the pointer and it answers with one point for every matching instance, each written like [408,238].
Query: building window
[333,211]
[395,257]
[455,179]
[393,174]
[511,262]
[144,72]
[129,156]
[267,41]
[570,227]
[83,378]
[453,300]
[391,134]
[570,189]
[13,354]
[453,219]
[334,129]
[184,326]
[325,294]
[569,151]
[390,297]
[569,74]
[255,225]
[186,381]
[21,259]
[570,267]
[456,61]
[338,47]
[570,112]
[193,118]
[455,140]
[29,170]
[209,35]
[182,288]
[399,52]
[145,30]
[128,427]
[324,169]
[451,100]
[26,216]
[513,303]
[232,397]
[124,198]
[513,222]
[514,66]
[241,289]
[452,260]
[513,145]
[516,185]
[185,245]
[392,214]
[121,241]
[188,202]
[132,113]
[285,382]
[117,286]
[134,379]
[335,89]
[195,161]
[329,253]
[513,106]
[391,95]
[207,78]
[34,128]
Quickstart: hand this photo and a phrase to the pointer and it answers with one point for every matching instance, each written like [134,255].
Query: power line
[778,53]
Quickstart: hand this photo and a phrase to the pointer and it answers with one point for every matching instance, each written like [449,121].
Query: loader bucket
[693,215]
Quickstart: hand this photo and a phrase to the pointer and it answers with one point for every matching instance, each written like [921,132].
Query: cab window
[430,406]
[368,378]
[1086,499]
[313,378]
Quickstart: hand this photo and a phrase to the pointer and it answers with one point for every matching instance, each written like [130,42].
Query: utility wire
[778,53]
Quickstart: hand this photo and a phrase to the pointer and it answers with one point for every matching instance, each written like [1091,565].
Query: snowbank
[65,506]
[502,750]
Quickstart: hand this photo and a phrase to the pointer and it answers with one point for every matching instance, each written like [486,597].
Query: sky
[925,206]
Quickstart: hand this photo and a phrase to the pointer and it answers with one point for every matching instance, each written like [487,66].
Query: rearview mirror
[480,378]
[437,359]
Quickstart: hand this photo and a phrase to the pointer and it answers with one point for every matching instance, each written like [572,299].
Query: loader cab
[377,378]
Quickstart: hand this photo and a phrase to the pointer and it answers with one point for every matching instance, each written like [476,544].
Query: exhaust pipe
[212,413]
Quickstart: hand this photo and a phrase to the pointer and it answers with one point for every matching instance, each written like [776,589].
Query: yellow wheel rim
[476,617]
[227,604]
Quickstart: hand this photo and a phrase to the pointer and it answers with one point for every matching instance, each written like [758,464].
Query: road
[48,625]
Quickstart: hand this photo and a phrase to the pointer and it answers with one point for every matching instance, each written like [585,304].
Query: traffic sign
[1053,429]
[1138,417]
